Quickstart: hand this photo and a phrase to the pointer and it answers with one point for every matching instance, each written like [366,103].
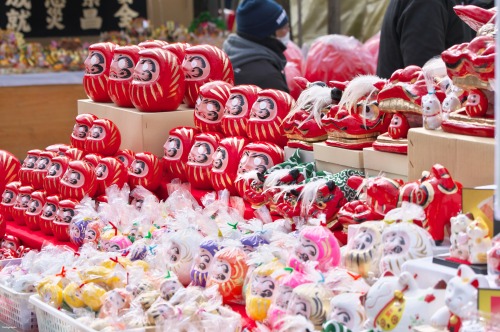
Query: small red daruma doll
[41,168]
[177,148]
[225,163]
[126,156]
[209,107]
[237,109]
[103,138]
[65,213]
[35,209]
[267,115]
[179,50]
[97,64]
[9,168]
[477,103]
[202,64]
[57,168]
[121,74]
[9,198]
[23,198]
[158,83]
[145,171]
[199,165]
[152,43]
[48,214]
[74,154]
[26,171]
[110,171]
[92,159]
[78,180]
[83,123]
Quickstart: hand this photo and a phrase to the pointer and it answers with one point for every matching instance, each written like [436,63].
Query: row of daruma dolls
[153,76]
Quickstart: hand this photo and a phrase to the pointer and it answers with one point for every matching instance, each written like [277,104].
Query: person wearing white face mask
[256,49]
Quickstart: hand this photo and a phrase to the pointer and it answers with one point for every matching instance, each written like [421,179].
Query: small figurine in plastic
[118,243]
[209,107]
[228,271]
[114,303]
[180,249]
[479,241]
[83,123]
[347,310]
[78,180]
[237,110]
[311,300]
[92,233]
[97,65]
[121,74]
[177,148]
[145,171]
[77,231]
[103,138]
[203,262]
[169,286]
[252,241]
[199,165]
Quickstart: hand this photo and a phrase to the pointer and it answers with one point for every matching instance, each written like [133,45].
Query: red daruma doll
[9,198]
[110,171]
[103,138]
[48,214]
[202,64]
[210,105]
[23,198]
[267,115]
[78,180]
[158,83]
[41,167]
[145,171]
[237,110]
[35,208]
[199,165]
[9,168]
[225,163]
[177,148]
[97,64]
[65,213]
[121,74]
[26,171]
[83,123]
[57,168]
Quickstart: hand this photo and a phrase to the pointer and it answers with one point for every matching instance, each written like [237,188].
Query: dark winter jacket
[414,31]
[255,63]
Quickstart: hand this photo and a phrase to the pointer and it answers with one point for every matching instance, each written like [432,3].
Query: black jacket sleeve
[261,73]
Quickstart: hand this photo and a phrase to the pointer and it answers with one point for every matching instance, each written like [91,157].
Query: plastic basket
[16,311]
[52,320]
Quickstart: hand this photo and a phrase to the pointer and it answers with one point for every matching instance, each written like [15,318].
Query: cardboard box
[392,165]
[334,160]
[307,156]
[469,159]
[140,131]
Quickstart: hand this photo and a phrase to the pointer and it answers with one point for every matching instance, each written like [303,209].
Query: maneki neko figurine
[83,123]
[176,151]
[364,250]
[311,300]
[35,209]
[439,195]
[26,171]
[110,171]
[356,121]
[267,115]
[237,109]
[199,165]
[158,81]
[48,214]
[56,170]
[121,74]
[228,272]
[9,198]
[41,168]
[460,297]
[9,168]
[209,108]
[402,242]
[62,220]
[303,124]
[346,309]
[225,162]
[203,261]
[19,210]
[396,303]
[318,244]
[103,138]
[145,170]
[78,180]
[97,65]
[202,64]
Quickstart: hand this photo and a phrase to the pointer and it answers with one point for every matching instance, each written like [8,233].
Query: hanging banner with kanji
[47,18]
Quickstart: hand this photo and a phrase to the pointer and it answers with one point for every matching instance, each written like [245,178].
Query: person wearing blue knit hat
[255,50]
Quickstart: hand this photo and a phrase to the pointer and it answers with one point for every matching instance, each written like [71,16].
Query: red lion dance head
[199,165]
[209,107]
[267,115]
[202,64]
[177,148]
[78,180]
[83,123]
[110,171]
[104,138]
[237,110]
[145,171]
[121,74]
[97,64]
[158,83]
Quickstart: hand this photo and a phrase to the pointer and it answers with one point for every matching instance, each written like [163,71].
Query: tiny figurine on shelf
[209,107]
[199,165]
[479,240]
[121,73]
[346,309]
[431,105]
[237,109]
[97,65]
[459,239]
[103,138]
[78,180]
[176,151]
[145,170]
[461,294]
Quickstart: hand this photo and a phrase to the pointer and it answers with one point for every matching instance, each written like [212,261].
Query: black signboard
[47,18]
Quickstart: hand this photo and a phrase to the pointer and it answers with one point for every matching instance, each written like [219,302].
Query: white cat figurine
[459,239]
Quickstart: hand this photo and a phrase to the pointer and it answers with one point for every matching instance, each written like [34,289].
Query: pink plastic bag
[371,46]
[293,70]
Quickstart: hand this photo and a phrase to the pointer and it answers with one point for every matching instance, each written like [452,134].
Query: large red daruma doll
[52,180]
[97,65]
[210,104]
[9,198]
[48,214]
[267,115]
[199,165]
[176,151]
[237,109]
[257,156]
[78,180]
[26,171]
[103,138]
[65,212]
[225,163]
[202,64]
[158,83]
[145,171]
[121,74]
[110,171]
[34,210]
[41,167]
[9,168]
[83,123]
